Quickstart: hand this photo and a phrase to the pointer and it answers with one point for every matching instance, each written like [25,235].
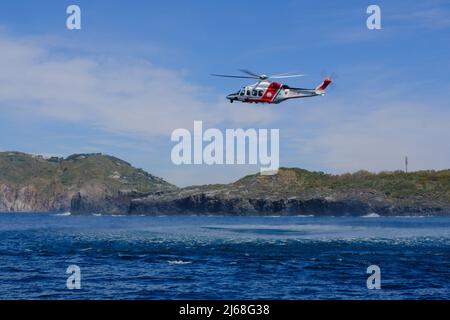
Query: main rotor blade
[283,74]
[250,73]
[287,76]
[228,76]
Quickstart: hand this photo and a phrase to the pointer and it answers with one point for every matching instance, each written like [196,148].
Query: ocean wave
[131,256]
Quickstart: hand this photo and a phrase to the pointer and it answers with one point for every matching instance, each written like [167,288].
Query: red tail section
[321,87]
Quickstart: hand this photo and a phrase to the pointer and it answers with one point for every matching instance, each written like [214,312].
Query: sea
[223,257]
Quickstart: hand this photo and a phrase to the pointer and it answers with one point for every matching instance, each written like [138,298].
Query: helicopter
[266,91]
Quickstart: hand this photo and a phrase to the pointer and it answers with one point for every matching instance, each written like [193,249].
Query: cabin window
[248,92]
[260,93]
[254,93]
[242,92]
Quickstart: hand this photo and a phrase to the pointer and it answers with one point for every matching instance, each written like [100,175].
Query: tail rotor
[333,76]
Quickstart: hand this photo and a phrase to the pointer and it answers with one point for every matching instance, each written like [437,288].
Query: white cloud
[379,140]
[122,97]
[424,15]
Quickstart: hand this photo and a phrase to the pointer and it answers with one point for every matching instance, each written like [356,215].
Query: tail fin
[320,89]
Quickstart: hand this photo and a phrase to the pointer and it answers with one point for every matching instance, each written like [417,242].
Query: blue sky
[137,70]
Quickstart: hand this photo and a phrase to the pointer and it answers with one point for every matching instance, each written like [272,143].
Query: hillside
[296,191]
[96,183]
[35,183]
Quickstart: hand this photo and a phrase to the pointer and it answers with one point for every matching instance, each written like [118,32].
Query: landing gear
[231,100]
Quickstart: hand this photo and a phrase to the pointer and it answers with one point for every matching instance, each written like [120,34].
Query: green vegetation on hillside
[54,174]
[433,185]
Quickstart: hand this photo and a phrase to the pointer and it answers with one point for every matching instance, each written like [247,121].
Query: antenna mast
[406,164]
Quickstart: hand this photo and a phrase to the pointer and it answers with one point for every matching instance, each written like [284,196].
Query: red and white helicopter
[266,91]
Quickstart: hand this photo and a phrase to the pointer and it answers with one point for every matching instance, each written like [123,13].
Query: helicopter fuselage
[270,92]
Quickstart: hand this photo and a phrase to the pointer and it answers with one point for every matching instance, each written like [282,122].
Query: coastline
[97,183]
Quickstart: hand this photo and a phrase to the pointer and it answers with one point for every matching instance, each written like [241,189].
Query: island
[98,183]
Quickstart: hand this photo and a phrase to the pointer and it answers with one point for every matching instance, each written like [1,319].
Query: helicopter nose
[230,96]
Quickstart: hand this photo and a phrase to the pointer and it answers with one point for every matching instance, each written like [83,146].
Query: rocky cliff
[96,183]
[80,183]
[300,192]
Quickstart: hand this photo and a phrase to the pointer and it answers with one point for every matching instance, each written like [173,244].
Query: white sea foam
[408,216]
[64,214]
[179,262]
[371,215]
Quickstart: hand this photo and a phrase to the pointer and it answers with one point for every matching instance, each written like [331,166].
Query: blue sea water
[206,257]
